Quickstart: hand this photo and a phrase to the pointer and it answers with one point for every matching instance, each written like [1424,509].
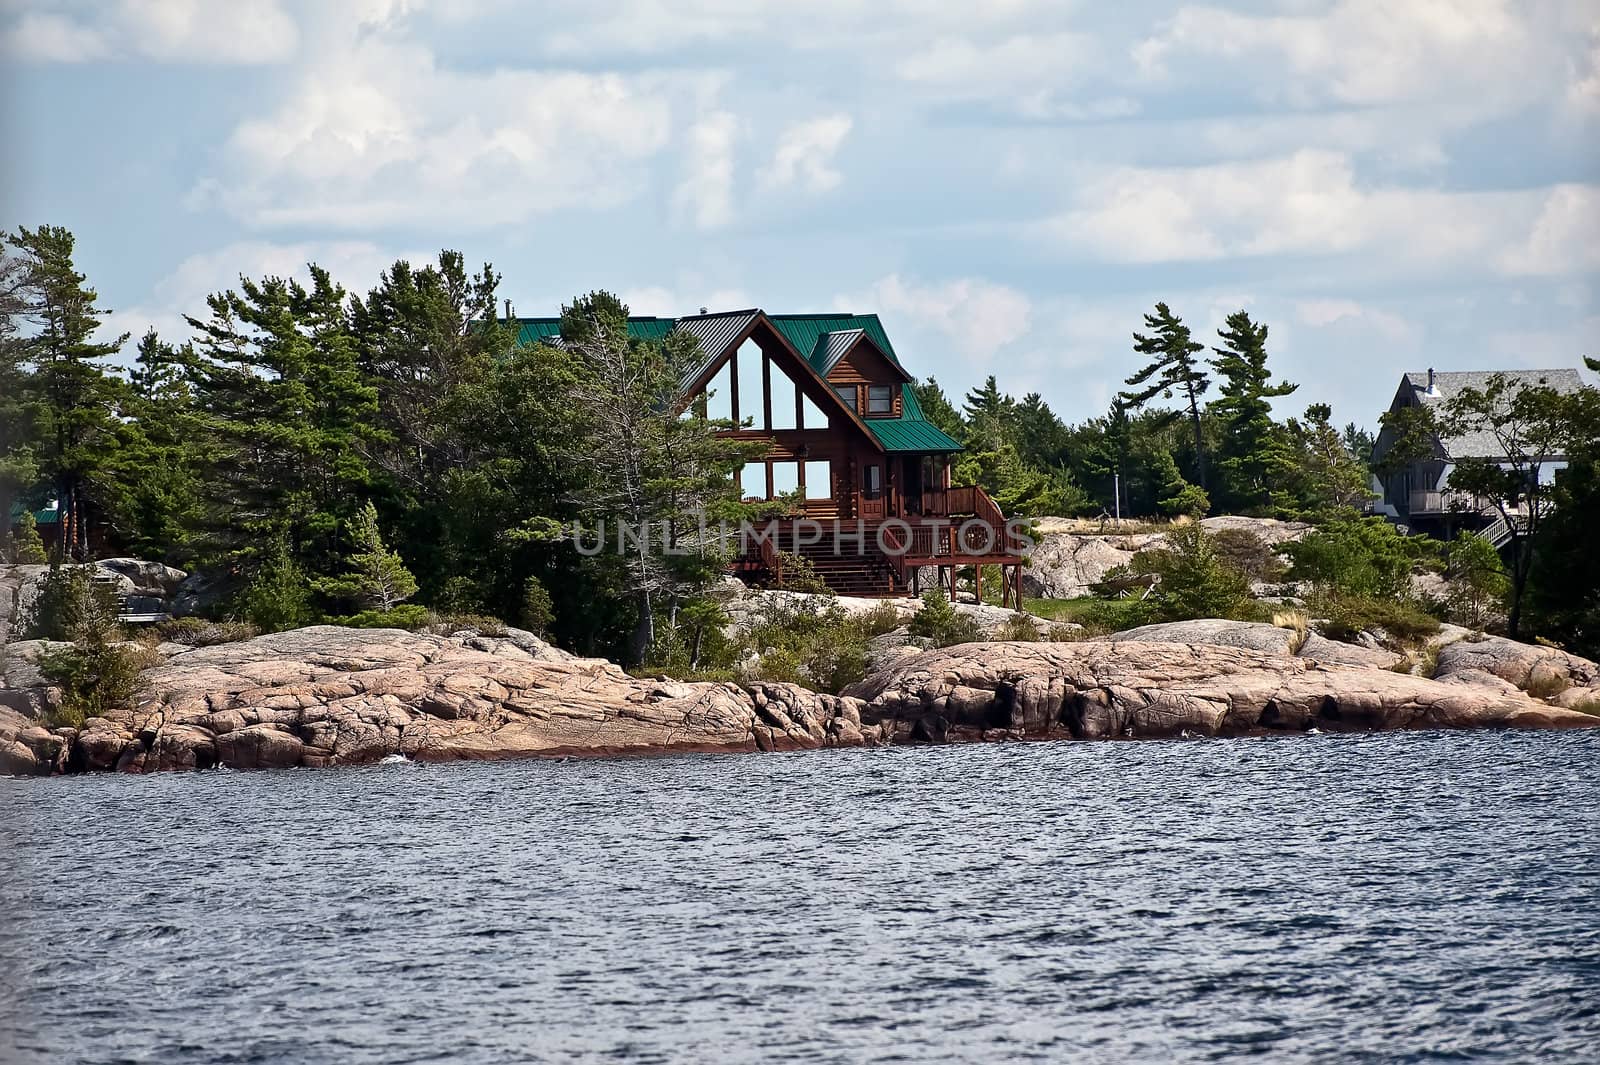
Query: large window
[785,478]
[783,398]
[811,415]
[719,394]
[752,387]
[753,480]
[819,481]
[880,399]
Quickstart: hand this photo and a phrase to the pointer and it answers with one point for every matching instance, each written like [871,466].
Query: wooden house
[846,438]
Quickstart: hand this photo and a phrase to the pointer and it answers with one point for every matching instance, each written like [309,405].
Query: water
[1412,897]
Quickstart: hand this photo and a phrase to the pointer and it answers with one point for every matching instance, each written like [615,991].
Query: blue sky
[1389,185]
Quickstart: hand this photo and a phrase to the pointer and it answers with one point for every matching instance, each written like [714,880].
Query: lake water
[1403,897]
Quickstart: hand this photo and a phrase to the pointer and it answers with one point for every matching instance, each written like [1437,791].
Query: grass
[1097,616]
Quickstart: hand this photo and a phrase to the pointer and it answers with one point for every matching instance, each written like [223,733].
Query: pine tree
[289,419]
[19,468]
[938,409]
[78,399]
[26,548]
[988,411]
[1252,443]
[156,503]
[1173,369]
[376,577]
[1318,476]
[1178,496]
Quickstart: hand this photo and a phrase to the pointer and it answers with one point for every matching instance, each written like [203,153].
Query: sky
[1388,184]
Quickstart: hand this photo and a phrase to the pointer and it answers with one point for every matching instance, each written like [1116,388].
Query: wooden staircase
[867,572]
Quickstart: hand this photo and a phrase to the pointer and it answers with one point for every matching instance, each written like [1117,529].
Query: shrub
[537,609]
[459,595]
[1099,617]
[1195,582]
[938,620]
[797,574]
[1243,550]
[27,547]
[1359,557]
[377,578]
[94,677]
[71,606]
[1018,628]
[816,644]
[278,596]
[198,632]
[1403,623]
[445,624]
[1478,581]
[408,616]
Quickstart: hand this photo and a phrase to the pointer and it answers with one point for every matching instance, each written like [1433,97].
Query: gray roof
[1449,383]
[834,346]
[715,332]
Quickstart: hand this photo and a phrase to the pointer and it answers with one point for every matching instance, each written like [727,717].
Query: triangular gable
[859,350]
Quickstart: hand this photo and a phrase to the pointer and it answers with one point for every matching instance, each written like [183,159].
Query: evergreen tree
[1173,368]
[1252,444]
[989,411]
[1040,435]
[376,577]
[78,399]
[938,409]
[289,419]
[1178,496]
[1318,477]
[19,469]
[26,548]
[156,497]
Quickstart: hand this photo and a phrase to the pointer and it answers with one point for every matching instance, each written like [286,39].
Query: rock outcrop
[328,696]
[332,696]
[1071,556]
[1132,689]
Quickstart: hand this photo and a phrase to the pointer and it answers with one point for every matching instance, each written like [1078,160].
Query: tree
[154,494]
[1563,586]
[1252,443]
[288,419]
[78,400]
[279,594]
[1178,496]
[648,467]
[1529,425]
[1195,582]
[1173,368]
[19,468]
[376,578]
[1477,580]
[1318,476]
[1040,435]
[988,410]
[938,409]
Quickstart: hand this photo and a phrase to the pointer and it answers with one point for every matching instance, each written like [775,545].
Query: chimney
[702,310]
[508,315]
[1433,388]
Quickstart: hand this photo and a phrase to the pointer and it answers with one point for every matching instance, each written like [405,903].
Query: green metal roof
[809,334]
[41,517]
[911,431]
[803,331]
[533,330]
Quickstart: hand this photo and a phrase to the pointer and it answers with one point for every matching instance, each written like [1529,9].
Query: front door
[872,490]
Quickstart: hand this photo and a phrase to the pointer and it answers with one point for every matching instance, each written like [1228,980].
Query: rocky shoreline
[325,696]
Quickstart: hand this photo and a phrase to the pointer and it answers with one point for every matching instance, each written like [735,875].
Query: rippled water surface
[1410,897]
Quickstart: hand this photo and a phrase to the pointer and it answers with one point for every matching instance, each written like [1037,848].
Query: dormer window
[880,399]
[848,394]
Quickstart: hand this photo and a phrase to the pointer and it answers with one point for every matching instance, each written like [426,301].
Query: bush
[799,575]
[94,677]
[1478,581]
[1357,557]
[537,609]
[408,616]
[1195,582]
[27,547]
[1018,628]
[198,632]
[938,620]
[445,624]
[278,596]
[71,606]
[1243,550]
[1099,617]
[1404,624]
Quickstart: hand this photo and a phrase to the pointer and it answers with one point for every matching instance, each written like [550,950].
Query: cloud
[385,137]
[355,264]
[1323,313]
[705,195]
[175,31]
[979,317]
[1486,56]
[805,154]
[1307,203]
[1565,237]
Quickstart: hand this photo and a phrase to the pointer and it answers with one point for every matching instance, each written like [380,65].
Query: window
[811,415]
[880,399]
[752,386]
[848,394]
[872,481]
[819,481]
[753,480]
[785,478]
[719,394]
[783,399]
